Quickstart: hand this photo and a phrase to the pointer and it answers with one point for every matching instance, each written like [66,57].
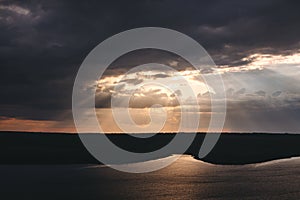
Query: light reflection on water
[187,178]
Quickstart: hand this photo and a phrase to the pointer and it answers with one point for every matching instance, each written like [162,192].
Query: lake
[187,178]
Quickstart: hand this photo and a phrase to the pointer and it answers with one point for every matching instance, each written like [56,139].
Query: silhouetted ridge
[54,148]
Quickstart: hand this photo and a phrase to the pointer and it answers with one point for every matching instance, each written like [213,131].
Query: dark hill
[232,148]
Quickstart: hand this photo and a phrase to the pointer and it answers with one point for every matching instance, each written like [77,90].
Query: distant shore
[60,148]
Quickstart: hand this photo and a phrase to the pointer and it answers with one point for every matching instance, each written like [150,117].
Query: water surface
[187,178]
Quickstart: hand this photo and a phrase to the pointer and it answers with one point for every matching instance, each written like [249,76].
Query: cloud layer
[42,44]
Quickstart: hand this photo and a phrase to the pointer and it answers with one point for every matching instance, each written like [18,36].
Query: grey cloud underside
[149,98]
[41,51]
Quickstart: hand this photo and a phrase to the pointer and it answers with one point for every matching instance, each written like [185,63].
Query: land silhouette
[59,148]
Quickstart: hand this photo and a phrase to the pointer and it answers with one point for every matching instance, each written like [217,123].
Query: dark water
[185,179]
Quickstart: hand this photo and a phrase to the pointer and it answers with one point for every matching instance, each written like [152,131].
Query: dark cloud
[144,56]
[132,81]
[260,93]
[42,43]
[276,94]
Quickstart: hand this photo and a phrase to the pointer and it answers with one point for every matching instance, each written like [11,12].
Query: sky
[254,44]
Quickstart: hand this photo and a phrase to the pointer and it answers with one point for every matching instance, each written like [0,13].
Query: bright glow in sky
[261,95]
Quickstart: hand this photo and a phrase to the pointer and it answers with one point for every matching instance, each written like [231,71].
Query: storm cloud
[42,43]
